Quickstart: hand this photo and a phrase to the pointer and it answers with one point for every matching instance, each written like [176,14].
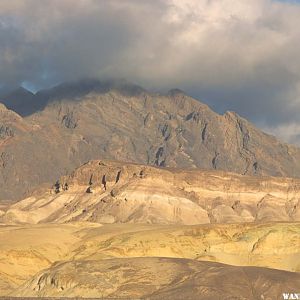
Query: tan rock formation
[126,193]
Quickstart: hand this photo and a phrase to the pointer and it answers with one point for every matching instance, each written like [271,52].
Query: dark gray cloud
[238,55]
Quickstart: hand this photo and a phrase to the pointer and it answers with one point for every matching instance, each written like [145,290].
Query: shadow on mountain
[26,103]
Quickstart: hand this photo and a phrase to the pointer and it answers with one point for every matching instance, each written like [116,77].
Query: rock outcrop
[112,192]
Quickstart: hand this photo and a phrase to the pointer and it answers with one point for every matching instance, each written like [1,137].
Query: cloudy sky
[241,55]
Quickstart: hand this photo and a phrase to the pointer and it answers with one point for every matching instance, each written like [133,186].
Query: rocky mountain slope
[64,127]
[89,259]
[113,192]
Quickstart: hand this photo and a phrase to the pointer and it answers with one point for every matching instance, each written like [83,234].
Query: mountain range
[104,185]
[46,135]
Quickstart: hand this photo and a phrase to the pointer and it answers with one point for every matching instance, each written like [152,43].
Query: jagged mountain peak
[232,114]
[101,121]
[236,117]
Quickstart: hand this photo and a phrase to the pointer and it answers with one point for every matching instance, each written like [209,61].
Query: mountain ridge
[172,130]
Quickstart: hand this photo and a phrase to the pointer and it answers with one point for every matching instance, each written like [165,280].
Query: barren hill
[91,260]
[114,192]
[73,123]
[179,279]
[108,229]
